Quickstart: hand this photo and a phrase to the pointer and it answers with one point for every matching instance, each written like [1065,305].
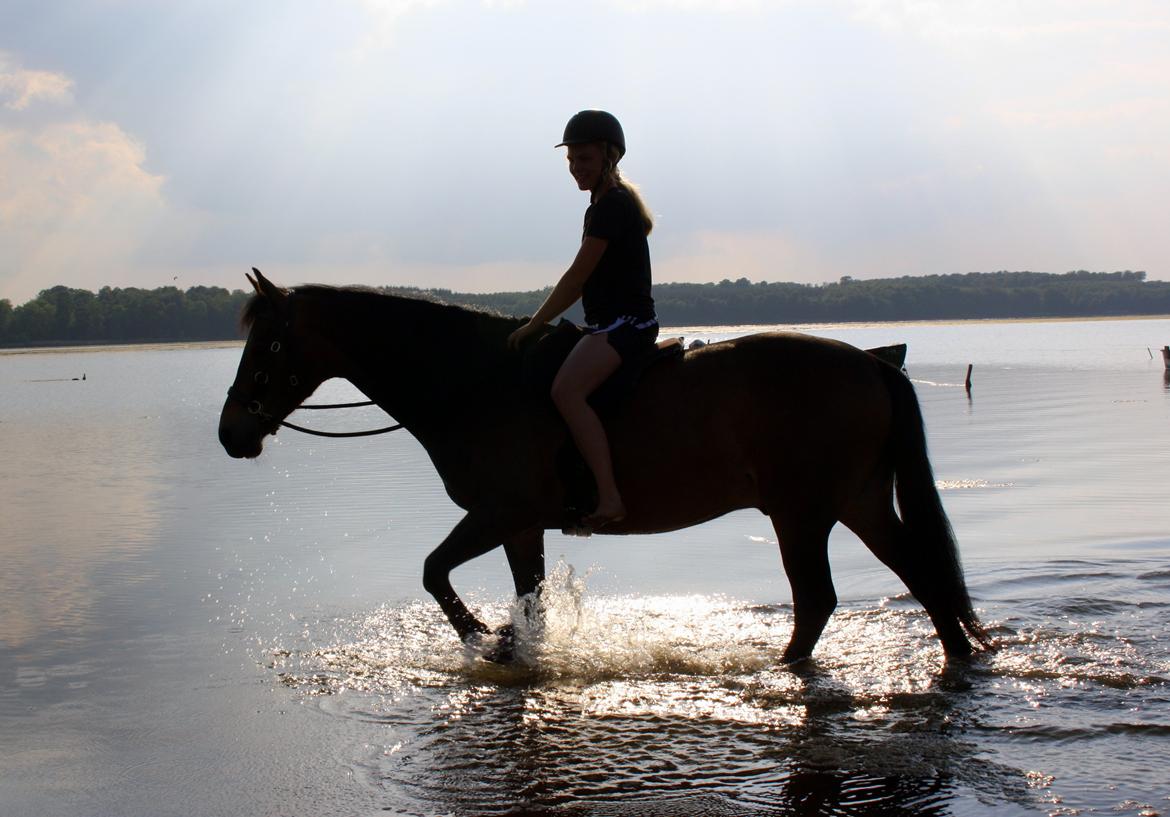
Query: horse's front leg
[478,532]
[525,553]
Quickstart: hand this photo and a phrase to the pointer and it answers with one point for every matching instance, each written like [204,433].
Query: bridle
[255,407]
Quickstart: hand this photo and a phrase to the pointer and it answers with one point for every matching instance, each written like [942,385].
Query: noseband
[256,407]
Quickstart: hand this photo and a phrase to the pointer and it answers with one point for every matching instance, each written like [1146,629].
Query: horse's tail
[928,553]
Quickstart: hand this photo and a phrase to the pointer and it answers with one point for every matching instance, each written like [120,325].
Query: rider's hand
[517,337]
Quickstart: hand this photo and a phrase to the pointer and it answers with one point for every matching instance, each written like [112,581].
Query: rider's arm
[568,289]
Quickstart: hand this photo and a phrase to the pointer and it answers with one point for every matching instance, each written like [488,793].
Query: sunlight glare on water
[651,697]
[617,682]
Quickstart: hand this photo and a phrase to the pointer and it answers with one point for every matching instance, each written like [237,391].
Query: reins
[368,433]
[337,405]
[256,407]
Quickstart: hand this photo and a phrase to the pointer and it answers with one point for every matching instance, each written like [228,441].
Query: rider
[611,275]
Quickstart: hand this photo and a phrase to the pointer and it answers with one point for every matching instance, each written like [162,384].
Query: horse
[809,431]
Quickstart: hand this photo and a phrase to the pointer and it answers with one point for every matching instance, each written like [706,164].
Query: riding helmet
[594,126]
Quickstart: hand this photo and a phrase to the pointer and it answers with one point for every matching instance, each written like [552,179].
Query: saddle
[543,360]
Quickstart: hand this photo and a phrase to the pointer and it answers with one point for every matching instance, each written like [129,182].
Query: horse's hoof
[498,655]
[794,659]
[504,651]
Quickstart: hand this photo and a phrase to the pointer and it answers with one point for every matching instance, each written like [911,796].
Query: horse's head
[278,370]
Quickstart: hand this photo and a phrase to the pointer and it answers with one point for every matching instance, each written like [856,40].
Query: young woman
[611,275]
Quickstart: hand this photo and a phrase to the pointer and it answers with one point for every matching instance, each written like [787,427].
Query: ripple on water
[634,702]
[640,705]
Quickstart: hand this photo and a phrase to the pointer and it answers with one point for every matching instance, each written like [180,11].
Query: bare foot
[606,513]
[578,528]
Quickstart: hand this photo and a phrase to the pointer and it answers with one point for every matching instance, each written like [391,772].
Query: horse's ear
[267,288]
[252,281]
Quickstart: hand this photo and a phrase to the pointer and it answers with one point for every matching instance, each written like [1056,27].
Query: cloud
[76,200]
[1010,20]
[643,6]
[384,17]
[19,88]
[409,141]
[389,12]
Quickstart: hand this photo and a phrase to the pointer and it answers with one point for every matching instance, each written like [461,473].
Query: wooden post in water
[967,384]
[1166,356]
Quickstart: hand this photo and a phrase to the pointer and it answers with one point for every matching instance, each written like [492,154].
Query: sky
[410,142]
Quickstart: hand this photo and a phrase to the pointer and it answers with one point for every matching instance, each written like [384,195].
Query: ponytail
[612,156]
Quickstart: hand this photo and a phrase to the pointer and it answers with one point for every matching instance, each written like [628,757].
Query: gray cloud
[375,141]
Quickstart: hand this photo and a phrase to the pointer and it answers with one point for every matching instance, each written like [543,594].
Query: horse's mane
[369,303]
[432,338]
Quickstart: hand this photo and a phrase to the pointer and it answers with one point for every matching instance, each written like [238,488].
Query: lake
[186,634]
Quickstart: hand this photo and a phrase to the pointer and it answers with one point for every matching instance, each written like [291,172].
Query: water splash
[631,702]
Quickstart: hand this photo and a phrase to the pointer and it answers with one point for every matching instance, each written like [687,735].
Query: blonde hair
[612,156]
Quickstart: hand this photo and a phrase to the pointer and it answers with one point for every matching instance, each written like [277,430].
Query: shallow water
[181,633]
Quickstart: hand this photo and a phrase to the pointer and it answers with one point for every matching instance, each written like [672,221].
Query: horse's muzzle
[239,435]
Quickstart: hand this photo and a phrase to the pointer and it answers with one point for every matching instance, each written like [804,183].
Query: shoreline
[129,346]
[666,329]
[929,322]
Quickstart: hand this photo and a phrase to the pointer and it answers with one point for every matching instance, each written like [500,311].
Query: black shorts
[630,337]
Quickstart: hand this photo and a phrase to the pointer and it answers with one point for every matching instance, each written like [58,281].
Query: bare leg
[587,367]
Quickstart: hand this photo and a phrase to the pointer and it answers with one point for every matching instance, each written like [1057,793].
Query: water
[181,633]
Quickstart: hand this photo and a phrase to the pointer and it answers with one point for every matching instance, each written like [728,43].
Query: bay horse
[809,431]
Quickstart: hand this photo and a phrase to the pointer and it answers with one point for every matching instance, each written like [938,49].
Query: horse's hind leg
[874,521]
[804,547]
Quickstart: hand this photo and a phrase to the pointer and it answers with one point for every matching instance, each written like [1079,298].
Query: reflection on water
[629,705]
[80,502]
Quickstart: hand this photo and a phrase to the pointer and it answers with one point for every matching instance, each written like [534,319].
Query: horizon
[434,289]
[409,142]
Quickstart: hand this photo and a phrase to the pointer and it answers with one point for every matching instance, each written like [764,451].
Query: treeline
[116,315]
[927,297]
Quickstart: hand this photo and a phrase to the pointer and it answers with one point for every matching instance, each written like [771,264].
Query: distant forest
[62,315]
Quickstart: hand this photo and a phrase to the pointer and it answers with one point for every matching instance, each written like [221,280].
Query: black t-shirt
[620,284]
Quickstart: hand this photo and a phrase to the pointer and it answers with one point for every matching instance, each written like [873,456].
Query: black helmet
[594,126]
